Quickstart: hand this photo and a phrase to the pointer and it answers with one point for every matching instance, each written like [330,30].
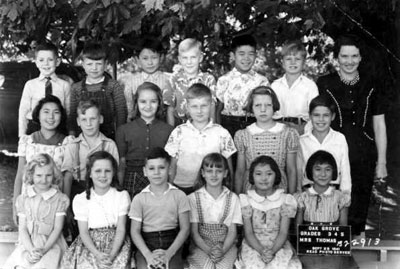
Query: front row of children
[160,216]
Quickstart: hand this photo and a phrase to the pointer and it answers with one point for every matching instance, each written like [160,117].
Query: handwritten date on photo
[326,239]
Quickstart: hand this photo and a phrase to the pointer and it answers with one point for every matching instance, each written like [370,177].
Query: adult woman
[361,118]
[50,139]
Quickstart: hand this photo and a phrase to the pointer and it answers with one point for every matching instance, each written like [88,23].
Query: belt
[161,233]
[238,118]
[292,120]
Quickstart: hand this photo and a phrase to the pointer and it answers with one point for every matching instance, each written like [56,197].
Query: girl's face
[147,104]
[214,176]
[262,108]
[349,59]
[264,178]
[43,178]
[49,116]
[102,173]
[322,174]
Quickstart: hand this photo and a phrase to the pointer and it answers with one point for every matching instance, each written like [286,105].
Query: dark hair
[198,90]
[152,87]
[158,153]
[152,44]
[94,51]
[293,47]
[347,40]
[265,160]
[213,160]
[101,155]
[243,40]
[261,90]
[321,157]
[322,100]
[48,47]
[86,104]
[62,127]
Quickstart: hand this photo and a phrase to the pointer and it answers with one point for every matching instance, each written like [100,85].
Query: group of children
[172,182]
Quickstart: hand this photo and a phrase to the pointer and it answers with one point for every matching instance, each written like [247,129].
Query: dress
[266,214]
[40,212]
[275,142]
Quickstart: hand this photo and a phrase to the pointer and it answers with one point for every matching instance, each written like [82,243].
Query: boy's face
[94,69]
[244,57]
[90,121]
[293,63]
[199,109]
[46,62]
[190,61]
[321,118]
[156,170]
[149,61]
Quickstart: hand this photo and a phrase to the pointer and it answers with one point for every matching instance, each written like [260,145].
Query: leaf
[51,3]
[85,14]
[124,12]
[106,3]
[108,18]
[13,13]
[76,3]
[132,25]
[167,28]
[153,4]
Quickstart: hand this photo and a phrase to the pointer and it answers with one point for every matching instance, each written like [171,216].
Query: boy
[323,137]
[99,87]
[48,83]
[233,88]
[191,141]
[89,119]
[294,90]
[149,59]
[160,217]
[190,57]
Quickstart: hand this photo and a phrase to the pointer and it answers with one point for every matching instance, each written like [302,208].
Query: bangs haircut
[347,40]
[293,47]
[261,90]
[47,46]
[213,160]
[94,51]
[85,105]
[189,43]
[198,90]
[322,100]
[158,153]
[265,160]
[40,160]
[62,127]
[321,157]
[152,44]
[151,87]
[243,40]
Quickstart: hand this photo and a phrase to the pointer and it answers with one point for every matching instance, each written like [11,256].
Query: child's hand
[267,255]
[35,255]
[103,260]
[216,253]
[155,259]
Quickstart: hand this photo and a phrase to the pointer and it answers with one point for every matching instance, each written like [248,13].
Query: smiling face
[147,104]
[263,108]
[102,173]
[321,118]
[43,178]
[156,170]
[90,121]
[46,62]
[49,116]
[190,61]
[94,69]
[214,176]
[244,57]
[264,178]
[322,174]
[349,59]
[293,63]
[149,61]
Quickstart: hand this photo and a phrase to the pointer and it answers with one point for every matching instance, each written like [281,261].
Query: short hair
[158,153]
[152,44]
[198,90]
[243,40]
[93,51]
[293,47]
[265,160]
[40,160]
[62,127]
[47,46]
[321,157]
[212,160]
[261,90]
[85,105]
[101,155]
[322,100]
[152,87]
[347,40]
[189,43]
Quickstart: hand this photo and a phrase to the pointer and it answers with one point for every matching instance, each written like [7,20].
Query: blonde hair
[40,160]
[189,43]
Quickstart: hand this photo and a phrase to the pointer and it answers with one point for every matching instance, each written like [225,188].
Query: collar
[146,76]
[284,80]
[190,125]
[328,192]
[46,195]
[183,77]
[101,137]
[97,82]
[259,199]
[225,191]
[52,76]
[170,187]
[236,72]
[142,122]
[309,134]
[255,130]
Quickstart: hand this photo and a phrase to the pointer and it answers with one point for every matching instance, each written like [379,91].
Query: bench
[382,247]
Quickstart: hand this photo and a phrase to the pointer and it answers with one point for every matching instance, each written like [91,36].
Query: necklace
[349,82]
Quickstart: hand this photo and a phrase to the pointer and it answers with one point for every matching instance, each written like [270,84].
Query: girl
[266,137]
[136,138]
[50,139]
[215,212]
[101,214]
[322,203]
[266,213]
[41,210]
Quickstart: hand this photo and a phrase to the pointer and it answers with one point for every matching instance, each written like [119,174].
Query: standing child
[267,211]
[135,139]
[48,83]
[190,57]
[191,141]
[41,210]
[101,88]
[160,217]
[294,90]
[322,203]
[266,137]
[101,212]
[215,213]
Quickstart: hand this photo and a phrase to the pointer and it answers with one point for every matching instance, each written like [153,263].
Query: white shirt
[334,143]
[294,101]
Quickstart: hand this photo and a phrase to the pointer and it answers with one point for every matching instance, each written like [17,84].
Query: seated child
[160,217]
[191,141]
[215,213]
[322,203]
[101,212]
[267,211]
[41,211]
[190,57]
[294,90]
